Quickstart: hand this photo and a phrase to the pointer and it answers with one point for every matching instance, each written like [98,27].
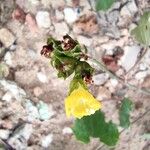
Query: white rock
[59,15]
[42,77]
[35,2]
[129,10]
[84,40]
[67,130]
[141,75]
[47,140]
[143,66]
[100,79]
[125,12]
[130,56]
[32,111]
[70,15]
[20,137]
[114,82]
[12,87]
[6,37]
[43,19]
[8,59]
[4,134]
[61,28]
[7,97]
[45,111]
[132,7]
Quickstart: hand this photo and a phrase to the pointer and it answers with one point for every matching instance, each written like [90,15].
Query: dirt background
[28,77]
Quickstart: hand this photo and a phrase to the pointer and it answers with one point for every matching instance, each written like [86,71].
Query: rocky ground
[32,115]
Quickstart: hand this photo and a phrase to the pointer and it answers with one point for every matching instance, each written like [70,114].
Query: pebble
[130,56]
[100,79]
[7,97]
[8,59]
[19,14]
[141,75]
[59,15]
[103,93]
[30,20]
[6,37]
[34,2]
[45,111]
[67,130]
[4,134]
[43,19]
[32,111]
[20,136]
[114,82]
[84,40]
[70,15]
[129,10]
[4,70]
[13,88]
[42,77]
[47,140]
[61,28]
[37,91]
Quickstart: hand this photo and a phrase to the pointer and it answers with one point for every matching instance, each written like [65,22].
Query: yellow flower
[81,103]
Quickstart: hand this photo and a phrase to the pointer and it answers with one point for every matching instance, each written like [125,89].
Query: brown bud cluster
[46,51]
[68,43]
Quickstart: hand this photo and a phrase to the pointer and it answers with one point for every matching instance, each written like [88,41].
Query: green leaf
[142,31]
[103,4]
[96,126]
[80,131]
[124,112]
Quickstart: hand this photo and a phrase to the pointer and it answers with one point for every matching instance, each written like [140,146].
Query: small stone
[59,15]
[19,14]
[70,15]
[45,111]
[129,9]
[37,91]
[20,136]
[6,37]
[13,88]
[141,75]
[132,7]
[30,20]
[4,134]
[86,24]
[42,77]
[61,28]
[84,40]
[114,82]
[130,57]
[113,17]
[7,97]
[43,19]
[143,66]
[34,2]
[100,79]
[47,140]
[67,130]
[103,93]
[32,111]
[4,70]
[8,59]
[125,12]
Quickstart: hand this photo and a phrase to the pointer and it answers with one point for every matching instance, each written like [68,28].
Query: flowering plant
[70,58]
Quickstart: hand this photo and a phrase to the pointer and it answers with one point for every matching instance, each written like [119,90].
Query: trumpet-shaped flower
[81,103]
